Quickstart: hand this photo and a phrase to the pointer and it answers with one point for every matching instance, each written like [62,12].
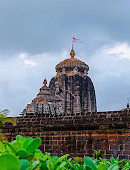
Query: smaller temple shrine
[44,103]
[71,91]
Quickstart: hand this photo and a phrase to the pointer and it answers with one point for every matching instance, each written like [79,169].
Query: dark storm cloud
[35,34]
[40,25]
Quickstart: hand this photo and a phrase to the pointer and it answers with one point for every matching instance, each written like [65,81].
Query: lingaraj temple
[64,115]
[71,91]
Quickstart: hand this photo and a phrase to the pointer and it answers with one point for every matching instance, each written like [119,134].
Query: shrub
[23,154]
[3,120]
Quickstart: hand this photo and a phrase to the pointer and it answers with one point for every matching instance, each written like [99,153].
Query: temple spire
[128,102]
[72,53]
[128,105]
[45,82]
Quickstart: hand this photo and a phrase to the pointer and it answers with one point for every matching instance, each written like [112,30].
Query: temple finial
[72,53]
[128,101]
[45,82]
[128,105]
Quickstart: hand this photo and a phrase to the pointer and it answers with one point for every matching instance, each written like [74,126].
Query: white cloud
[23,55]
[121,50]
[38,59]
[109,70]
[30,62]
[24,58]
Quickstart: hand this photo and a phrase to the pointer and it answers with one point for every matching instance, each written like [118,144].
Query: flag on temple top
[75,39]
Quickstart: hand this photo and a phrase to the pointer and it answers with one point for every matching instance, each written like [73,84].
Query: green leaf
[21,140]
[11,148]
[80,167]
[55,158]
[73,166]
[38,154]
[9,162]
[22,154]
[35,165]
[61,158]
[102,167]
[88,162]
[113,167]
[2,147]
[61,166]
[43,165]
[97,162]
[17,145]
[30,157]
[26,142]
[88,168]
[50,159]
[19,137]
[33,145]
[24,164]
[112,160]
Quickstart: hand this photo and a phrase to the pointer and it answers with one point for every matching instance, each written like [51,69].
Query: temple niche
[71,91]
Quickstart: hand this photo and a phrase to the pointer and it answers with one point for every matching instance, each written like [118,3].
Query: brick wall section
[78,134]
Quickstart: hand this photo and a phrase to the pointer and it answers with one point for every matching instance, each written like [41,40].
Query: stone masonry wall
[78,134]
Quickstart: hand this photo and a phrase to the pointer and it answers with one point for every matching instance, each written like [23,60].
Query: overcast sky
[36,34]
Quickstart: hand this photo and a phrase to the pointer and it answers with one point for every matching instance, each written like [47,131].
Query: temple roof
[71,63]
[44,95]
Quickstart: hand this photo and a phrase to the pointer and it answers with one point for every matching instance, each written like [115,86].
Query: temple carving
[71,91]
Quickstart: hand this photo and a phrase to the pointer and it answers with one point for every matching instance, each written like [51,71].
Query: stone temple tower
[71,91]
[73,86]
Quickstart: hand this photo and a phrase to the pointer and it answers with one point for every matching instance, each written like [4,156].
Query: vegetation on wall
[3,120]
[23,154]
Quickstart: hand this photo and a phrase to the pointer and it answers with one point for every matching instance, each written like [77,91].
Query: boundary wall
[79,134]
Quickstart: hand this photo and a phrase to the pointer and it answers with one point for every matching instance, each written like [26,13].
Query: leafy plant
[78,160]
[23,154]
[3,120]
[97,154]
[9,162]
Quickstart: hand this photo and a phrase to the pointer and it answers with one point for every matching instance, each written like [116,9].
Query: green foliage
[102,166]
[9,162]
[88,162]
[78,160]
[23,154]
[24,164]
[3,120]
[33,145]
[97,154]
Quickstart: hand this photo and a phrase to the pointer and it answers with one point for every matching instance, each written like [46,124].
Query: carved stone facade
[71,91]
